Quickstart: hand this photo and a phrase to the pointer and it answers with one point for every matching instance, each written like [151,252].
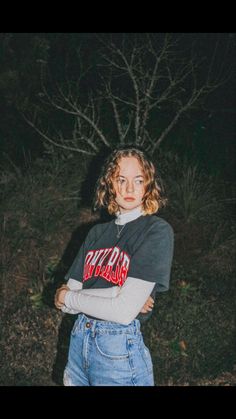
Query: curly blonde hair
[105,194]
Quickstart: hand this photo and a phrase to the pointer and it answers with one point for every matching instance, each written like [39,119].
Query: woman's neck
[126,217]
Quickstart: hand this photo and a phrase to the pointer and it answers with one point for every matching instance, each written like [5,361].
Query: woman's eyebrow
[134,176]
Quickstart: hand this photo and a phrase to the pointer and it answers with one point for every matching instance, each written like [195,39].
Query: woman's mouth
[128,198]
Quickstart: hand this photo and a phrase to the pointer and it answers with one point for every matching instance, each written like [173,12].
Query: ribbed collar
[122,219]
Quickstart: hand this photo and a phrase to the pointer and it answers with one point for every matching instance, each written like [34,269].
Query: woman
[119,265]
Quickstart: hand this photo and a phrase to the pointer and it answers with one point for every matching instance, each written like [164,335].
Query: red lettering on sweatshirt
[111,264]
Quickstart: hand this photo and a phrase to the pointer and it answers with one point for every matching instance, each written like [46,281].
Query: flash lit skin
[129,182]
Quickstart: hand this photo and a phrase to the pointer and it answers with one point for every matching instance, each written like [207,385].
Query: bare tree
[143,78]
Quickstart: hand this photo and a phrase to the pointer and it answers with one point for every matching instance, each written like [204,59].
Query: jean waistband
[107,327]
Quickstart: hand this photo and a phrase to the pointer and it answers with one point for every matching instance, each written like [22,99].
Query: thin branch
[53,142]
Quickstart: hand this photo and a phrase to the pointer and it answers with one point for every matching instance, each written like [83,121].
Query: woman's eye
[137,181]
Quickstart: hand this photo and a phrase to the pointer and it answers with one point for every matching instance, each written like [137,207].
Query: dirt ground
[34,345]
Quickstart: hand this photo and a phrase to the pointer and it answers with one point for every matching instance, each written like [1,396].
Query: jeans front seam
[85,351]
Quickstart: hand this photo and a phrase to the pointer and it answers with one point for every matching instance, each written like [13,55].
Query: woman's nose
[129,187]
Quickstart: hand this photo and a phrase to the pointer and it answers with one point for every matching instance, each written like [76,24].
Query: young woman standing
[119,265]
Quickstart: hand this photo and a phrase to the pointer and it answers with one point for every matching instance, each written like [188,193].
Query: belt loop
[93,327]
[79,319]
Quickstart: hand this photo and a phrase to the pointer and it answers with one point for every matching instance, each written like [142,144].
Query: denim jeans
[106,353]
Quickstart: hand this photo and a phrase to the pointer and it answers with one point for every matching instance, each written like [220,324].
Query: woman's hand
[59,299]
[148,306]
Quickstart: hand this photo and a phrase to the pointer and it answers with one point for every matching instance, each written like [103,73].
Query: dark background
[206,134]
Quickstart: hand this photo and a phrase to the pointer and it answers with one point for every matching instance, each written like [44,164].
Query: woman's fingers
[148,306]
[57,302]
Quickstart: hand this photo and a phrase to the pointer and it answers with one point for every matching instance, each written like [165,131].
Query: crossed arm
[121,304]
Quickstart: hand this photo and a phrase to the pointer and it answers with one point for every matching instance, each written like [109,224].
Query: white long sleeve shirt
[122,307]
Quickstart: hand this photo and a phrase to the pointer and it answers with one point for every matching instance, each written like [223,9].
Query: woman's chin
[128,206]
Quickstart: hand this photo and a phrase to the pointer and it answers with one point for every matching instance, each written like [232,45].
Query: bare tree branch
[141,78]
[52,141]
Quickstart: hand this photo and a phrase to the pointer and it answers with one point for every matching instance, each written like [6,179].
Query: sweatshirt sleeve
[122,308]
[152,259]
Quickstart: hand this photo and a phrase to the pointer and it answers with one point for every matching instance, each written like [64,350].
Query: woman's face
[129,184]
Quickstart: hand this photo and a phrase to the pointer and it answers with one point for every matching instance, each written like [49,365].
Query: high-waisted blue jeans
[105,353]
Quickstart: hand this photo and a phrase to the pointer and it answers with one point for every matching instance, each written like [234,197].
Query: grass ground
[191,334]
